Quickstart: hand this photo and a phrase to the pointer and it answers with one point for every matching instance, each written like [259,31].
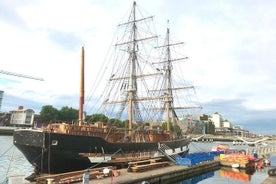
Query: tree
[48,113]
[97,117]
[68,114]
[164,126]
[116,122]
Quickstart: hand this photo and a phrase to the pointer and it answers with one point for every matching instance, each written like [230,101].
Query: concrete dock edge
[270,180]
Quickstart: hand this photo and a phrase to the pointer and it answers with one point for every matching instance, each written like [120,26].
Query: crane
[17,75]
[21,75]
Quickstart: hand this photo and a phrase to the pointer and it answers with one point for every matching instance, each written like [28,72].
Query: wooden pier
[75,176]
[164,174]
[141,166]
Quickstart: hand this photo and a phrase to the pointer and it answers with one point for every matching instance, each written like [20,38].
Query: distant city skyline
[37,108]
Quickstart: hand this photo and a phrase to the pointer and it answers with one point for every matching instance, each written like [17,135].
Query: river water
[228,175]
[12,162]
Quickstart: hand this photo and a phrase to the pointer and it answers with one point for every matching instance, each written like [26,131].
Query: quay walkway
[228,138]
[164,175]
[270,180]
[174,173]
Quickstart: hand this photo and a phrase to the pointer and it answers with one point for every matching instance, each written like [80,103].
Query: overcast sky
[230,44]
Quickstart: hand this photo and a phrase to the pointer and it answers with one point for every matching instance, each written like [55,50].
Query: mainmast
[168,88]
[132,45]
[81,99]
[169,99]
[132,82]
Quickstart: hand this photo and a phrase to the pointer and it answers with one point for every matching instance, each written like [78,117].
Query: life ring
[272,172]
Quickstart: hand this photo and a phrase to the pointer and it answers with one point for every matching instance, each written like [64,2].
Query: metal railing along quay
[262,150]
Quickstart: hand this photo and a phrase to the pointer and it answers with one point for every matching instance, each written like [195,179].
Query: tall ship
[146,98]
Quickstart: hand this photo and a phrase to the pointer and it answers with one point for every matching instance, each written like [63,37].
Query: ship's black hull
[57,153]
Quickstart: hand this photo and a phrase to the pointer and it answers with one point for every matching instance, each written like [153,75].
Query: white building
[22,117]
[217,119]
[226,124]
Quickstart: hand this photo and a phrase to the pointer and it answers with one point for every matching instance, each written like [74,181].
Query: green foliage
[147,124]
[116,122]
[48,113]
[68,114]
[97,117]
[164,126]
[126,123]
[199,127]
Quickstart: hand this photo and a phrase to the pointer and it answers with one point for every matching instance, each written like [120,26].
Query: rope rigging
[9,166]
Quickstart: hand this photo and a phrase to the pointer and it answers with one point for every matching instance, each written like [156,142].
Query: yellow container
[221,156]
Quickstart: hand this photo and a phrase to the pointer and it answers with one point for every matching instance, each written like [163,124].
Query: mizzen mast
[81,99]
[168,88]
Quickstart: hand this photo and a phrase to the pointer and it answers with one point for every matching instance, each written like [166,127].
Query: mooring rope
[6,151]
[6,177]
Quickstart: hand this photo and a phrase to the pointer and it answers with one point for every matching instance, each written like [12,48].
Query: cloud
[230,45]
[12,102]
[68,41]
[9,14]
[235,111]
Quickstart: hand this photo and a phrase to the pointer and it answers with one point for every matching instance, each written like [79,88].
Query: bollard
[86,177]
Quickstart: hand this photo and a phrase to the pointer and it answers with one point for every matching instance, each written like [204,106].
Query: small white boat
[221,147]
[235,165]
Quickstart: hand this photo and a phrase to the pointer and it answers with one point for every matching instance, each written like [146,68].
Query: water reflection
[236,174]
[227,174]
[197,179]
